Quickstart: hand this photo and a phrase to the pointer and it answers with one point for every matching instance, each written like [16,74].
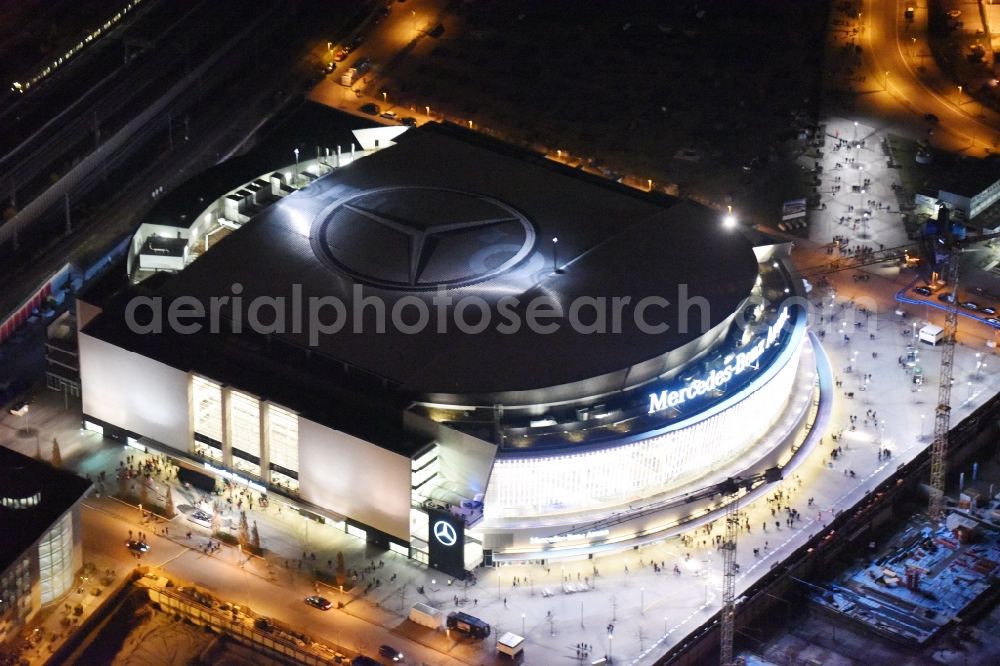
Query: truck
[425,616]
[360,68]
[468,624]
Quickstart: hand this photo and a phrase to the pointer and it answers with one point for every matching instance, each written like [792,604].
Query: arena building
[453,348]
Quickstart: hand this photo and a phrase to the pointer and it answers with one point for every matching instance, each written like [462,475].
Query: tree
[169,509]
[244,533]
[255,537]
[56,455]
[341,571]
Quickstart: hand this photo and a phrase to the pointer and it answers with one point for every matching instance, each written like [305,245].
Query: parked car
[946,298]
[199,517]
[370,108]
[342,54]
[409,121]
[319,602]
[931,118]
[923,291]
[970,305]
[988,310]
[389,115]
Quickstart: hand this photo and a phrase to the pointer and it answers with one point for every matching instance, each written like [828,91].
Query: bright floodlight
[729,221]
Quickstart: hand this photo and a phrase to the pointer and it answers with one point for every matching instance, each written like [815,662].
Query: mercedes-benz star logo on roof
[421,237]
[445,533]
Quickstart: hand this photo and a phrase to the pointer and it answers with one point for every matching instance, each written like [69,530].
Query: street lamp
[385,97]
[959,102]
[296,151]
[428,109]
[729,221]
[555,269]
[887,80]
[649,184]
[522,624]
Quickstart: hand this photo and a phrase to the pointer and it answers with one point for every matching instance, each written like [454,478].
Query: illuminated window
[244,421]
[206,397]
[55,560]
[283,438]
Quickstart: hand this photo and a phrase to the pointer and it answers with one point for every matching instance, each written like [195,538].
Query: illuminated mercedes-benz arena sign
[431,358]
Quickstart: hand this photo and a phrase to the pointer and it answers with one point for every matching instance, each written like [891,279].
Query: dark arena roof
[45,493]
[447,212]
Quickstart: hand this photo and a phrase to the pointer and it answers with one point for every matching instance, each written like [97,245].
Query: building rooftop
[44,492]
[447,209]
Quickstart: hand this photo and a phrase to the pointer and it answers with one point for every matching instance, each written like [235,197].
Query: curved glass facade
[552,485]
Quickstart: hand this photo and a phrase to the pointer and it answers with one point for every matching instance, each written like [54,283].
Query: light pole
[959,102]
[729,221]
[979,365]
[887,80]
[649,184]
[555,267]
[522,624]
[296,151]
[428,110]
[923,418]
[385,97]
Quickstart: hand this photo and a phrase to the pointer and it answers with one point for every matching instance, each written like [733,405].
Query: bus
[468,624]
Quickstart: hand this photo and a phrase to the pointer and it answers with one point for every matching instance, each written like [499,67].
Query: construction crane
[727,617]
[731,490]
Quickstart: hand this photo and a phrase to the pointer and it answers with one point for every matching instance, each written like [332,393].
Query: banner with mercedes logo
[446,539]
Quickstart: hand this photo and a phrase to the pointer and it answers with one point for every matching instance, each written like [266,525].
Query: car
[330,66]
[970,305]
[356,42]
[993,321]
[199,517]
[908,13]
[390,652]
[988,310]
[946,298]
[319,602]
[954,13]
[137,546]
[342,54]
[409,121]
[931,118]
[370,108]
[264,624]
[389,115]
[923,291]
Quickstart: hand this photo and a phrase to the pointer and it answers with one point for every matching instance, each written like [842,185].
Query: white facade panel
[134,392]
[355,478]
